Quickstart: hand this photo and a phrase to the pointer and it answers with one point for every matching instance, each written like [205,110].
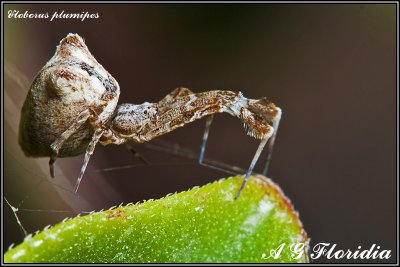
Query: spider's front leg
[178,97]
[145,122]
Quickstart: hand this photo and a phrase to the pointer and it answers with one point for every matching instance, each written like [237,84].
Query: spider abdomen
[71,83]
[44,117]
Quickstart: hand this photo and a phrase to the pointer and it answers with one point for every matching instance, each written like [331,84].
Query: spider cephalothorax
[72,105]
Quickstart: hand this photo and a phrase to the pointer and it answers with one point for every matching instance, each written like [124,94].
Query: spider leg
[258,117]
[271,142]
[135,153]
[52,160]
[252,164]
[58,143]
[269,153]
[89,151]
[205,138]
[173,98]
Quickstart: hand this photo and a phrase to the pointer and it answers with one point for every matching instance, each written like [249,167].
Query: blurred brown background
[331,68]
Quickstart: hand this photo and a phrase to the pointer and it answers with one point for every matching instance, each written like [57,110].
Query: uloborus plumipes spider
[72,105]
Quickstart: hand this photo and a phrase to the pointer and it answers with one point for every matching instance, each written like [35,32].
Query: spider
[72,105]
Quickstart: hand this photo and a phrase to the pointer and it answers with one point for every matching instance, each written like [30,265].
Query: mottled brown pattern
[74,40]
[49,110]
[58,118]
[211,110]
[257,115]
[63,73]
[176,122]
[64,52]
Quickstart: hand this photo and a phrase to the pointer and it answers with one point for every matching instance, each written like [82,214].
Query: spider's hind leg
[59,142]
